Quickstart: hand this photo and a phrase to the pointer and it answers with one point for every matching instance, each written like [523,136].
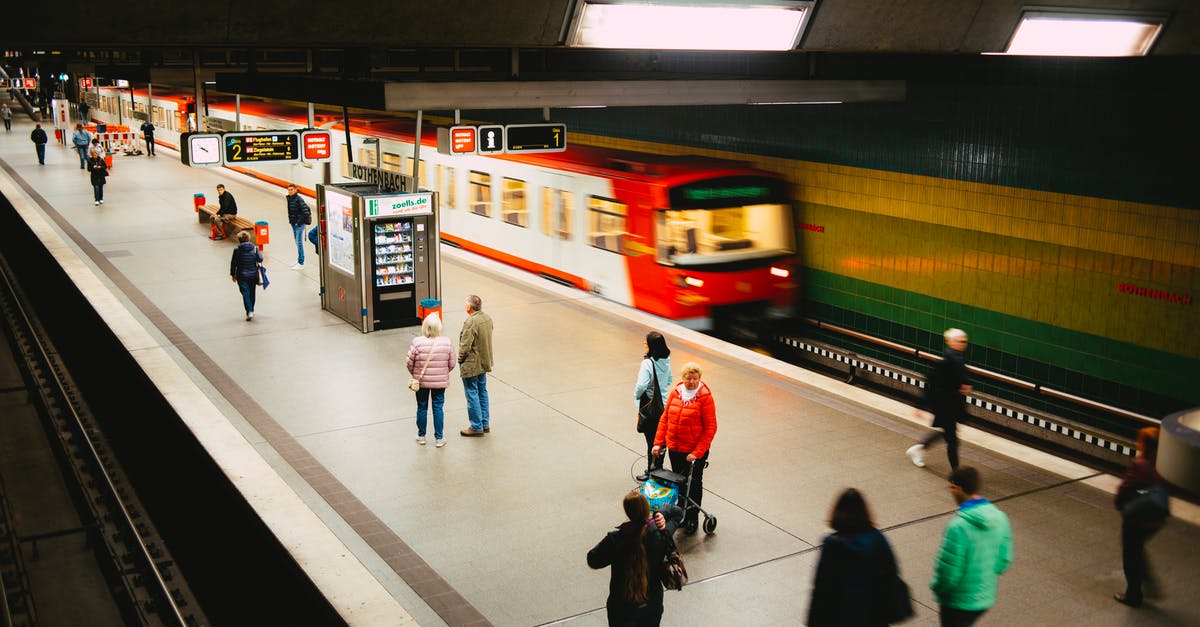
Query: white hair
[432,326]
[955,334]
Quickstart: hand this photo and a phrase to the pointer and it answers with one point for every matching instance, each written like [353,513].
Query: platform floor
[495,529]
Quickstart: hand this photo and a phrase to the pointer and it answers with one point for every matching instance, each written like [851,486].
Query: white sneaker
[440,442]
[102,202]
[916,454]
[295,266]
[247,317]
[251,316]
[97,203]
[421,440]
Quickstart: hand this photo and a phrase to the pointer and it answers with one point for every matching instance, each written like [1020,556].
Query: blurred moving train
[706,242]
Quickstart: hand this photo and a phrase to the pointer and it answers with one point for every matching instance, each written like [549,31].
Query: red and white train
[698,240]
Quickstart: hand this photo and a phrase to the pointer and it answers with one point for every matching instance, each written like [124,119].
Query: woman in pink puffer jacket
[430,359]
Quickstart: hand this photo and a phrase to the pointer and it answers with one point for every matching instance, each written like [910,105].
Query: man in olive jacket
[976,549]
[475,361]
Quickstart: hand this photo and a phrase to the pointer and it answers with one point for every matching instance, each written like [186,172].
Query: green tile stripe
[1157,371]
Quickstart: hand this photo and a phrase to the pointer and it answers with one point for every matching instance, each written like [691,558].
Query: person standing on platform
[81,139]
[1139,521]
[475,361]
[6,113]
[96,151]
[857,570]
[99,175]
[945,396]
[686,429]
[976,550]
[148,133]
[243,270]
[83,110]
[227,210]
[635,552]
[299,215]
[430,360]
[655,368]
[39,143]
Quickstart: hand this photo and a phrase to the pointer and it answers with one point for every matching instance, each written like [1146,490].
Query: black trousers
[949,431]
[1134,535]
[680,464]
[652,463]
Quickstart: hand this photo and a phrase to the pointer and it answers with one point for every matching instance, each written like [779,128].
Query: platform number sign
[535,138]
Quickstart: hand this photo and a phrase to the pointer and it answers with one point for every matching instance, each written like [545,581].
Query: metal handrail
[125,514]
[1027,385]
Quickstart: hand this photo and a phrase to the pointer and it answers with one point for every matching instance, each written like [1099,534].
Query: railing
[1026,385]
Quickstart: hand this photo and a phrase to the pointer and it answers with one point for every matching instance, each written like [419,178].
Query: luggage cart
[664,487]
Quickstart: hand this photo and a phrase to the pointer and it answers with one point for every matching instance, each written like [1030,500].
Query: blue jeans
[439,399]
[247,287]
[82,150]
[298,233]
[98,192]
[477,401]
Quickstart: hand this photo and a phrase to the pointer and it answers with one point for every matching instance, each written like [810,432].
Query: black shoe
[642,477]
[690,527]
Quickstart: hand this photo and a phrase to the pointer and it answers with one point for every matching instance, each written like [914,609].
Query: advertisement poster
[339,226]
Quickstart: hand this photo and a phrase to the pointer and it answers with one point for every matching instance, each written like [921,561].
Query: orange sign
[462,140]
[317,145]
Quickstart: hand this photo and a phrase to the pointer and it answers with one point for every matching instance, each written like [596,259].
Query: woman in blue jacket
[243,270]
[656,364]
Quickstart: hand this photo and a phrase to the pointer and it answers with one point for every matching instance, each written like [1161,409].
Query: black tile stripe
[415,571]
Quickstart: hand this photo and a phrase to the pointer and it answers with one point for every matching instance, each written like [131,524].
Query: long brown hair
[638,511]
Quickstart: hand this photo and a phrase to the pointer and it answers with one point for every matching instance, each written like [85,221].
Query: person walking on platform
[945,396]
[99,177]
[81,139]
[6,113]
[635,553]
[687,428]
[976,550]
[475,361]
[148,134]
[228,209]
[96,151]
[243,270]
[857,581]
[649,400]
[430,360]
[39,143]
[1143,502]
[299,215]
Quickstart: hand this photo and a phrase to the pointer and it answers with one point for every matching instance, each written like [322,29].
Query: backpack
[305,212]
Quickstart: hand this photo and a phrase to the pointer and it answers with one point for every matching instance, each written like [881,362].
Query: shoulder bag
[651,408]
[415,384]
[674,573]
[1151,503]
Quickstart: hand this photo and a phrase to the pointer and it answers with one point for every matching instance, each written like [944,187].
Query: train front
[726,248]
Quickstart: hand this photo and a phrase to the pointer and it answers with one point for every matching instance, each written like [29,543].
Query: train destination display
[272,146]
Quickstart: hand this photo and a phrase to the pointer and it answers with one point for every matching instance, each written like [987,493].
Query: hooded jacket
[688,427]
[851,577]
[976,549]
[438,353]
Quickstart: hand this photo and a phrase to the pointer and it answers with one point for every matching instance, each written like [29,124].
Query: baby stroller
[664,487]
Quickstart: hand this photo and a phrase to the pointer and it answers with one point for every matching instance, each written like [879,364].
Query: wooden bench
[237,224]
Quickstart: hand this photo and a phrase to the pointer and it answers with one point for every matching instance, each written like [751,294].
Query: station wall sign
[491,140]
[496,139]
[317,145]
[262,146]
[85,82]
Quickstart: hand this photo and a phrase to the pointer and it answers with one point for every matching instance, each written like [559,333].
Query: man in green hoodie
[976,549]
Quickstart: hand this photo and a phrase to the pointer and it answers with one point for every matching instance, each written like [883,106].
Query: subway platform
[314,421]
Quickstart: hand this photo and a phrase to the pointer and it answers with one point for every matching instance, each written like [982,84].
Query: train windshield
[724,220]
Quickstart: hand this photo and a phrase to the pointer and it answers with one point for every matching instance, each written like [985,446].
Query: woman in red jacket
[686,429]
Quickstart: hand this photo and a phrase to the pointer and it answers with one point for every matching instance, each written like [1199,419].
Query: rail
[996,376]
[52,379]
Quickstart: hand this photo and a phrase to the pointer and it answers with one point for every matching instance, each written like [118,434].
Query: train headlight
[782,273]
[693,281]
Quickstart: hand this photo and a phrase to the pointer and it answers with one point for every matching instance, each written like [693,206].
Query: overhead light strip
[761,26]
[1068,33]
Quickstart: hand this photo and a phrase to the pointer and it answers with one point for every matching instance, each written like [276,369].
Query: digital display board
[535,138]
[262,147]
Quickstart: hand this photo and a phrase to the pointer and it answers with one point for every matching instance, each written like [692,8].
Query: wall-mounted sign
[402,204]
[262,146]
[535,138]
[318,145]
[1149,292]
[491,140]
[85,82]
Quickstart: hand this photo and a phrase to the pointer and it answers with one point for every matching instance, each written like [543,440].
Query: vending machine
[380,255]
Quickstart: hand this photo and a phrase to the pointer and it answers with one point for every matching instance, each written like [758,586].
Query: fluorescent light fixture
[1066,33]
[799,102]
[695,25]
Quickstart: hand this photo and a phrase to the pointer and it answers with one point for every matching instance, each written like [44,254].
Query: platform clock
[202,149]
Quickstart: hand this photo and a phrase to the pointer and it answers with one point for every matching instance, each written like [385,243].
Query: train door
[557,219]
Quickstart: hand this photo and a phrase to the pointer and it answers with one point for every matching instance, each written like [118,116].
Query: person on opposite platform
[148,134]
[475,361]
[945,396]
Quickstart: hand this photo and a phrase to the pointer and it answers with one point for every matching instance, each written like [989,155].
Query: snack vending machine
[380,256]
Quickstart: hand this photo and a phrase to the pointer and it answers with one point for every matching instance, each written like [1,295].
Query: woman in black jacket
[635,552]
[99,174]
[855,571]
[243,270]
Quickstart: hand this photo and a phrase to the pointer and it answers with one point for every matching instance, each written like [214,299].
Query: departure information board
[263,146]
[535,138]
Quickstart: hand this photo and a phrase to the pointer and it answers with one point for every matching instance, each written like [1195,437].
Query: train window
[557,205]
[481,194]
[446,187]
[606,224]
[391,163]
[367,158]
[708,235]
[408,161]
[513,207]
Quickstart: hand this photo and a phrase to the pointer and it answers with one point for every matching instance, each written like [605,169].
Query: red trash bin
[197,202]
[108,160]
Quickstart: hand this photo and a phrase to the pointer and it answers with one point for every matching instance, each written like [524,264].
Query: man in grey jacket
[475,361]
